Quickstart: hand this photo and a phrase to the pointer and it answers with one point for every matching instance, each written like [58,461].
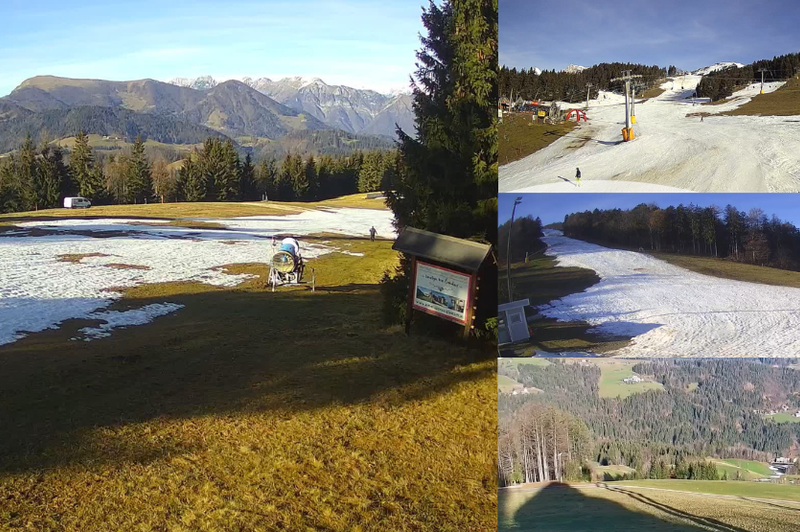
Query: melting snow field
[38,290]
[719,154]
[673,312]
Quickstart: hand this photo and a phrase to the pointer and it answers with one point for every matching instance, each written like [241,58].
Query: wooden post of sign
[473,303]
[410,302]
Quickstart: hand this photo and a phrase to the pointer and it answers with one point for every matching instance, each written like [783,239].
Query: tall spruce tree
[86,176]
[449,180]
[140,187]
[27,175]
[193,181]
[266,179]
[51,172]
[312,179]
[248,180]
[227,179]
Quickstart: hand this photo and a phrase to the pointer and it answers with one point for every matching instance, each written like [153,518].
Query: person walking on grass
[372,233]
[578,176]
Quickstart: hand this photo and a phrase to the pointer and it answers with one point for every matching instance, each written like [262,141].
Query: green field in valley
[784,417]
[612,375]
[747,469]
[507,384]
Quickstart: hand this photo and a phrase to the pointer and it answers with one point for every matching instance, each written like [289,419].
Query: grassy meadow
[652,505]
[784,417]
[249,410]
[747,469]
[612,373]
[178,211]
[782,102]
[519,137]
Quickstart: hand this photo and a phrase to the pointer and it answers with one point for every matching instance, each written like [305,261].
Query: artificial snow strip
[672,312]
[717,154]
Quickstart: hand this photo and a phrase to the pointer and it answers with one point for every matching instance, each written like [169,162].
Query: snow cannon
[284,262]
[286,265]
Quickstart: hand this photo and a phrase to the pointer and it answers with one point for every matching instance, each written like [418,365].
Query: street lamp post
[508,249]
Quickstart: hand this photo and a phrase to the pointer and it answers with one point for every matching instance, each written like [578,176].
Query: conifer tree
[248,180]
[293,183]
[51,172]
[449,179]
[266,179]
[86,176]
[140,187]
[227,178]
[193,179]
[27,174]
[311,179]
[371,175]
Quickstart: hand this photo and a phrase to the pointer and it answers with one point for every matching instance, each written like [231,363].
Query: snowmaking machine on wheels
[286,265]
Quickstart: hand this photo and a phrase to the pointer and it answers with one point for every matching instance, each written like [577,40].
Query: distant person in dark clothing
[578,176]
[372,233]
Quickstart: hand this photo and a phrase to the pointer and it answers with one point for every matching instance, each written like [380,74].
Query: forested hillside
[722,83]
[572,87]
[708,408]
[37,177]
[750,237]
[127,124]
[525,237]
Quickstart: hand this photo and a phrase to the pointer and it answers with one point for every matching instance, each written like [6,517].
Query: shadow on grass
[227,352]
[706,523]
[559,507]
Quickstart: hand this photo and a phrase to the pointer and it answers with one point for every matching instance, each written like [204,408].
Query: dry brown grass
[519,137]
[782,102]
[251,410]
[611,507]
[178,212]
[78,257]
[119,266]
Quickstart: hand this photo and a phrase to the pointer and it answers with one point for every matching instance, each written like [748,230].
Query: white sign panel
[442,292]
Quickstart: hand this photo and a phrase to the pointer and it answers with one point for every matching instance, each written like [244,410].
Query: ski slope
[39,290]
[719,154]
[673,312]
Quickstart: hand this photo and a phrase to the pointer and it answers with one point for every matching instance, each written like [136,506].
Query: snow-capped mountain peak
[716,67]
[200,83]
[339,106]
[573,69]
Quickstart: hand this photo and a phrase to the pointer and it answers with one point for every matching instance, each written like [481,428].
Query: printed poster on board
[442,292]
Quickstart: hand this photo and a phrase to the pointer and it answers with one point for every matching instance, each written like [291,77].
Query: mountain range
[186,110]
[353,110]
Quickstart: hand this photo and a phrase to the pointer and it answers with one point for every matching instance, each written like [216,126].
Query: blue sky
[688,34]
[553,207]
[359,43]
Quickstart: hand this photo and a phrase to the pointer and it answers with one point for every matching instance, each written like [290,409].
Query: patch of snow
[715,67]
[673,312]
[574,69]
[719,154]
[115,319]
[594,186]
[38,291]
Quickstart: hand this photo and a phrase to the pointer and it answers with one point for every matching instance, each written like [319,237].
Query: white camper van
[77,203]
